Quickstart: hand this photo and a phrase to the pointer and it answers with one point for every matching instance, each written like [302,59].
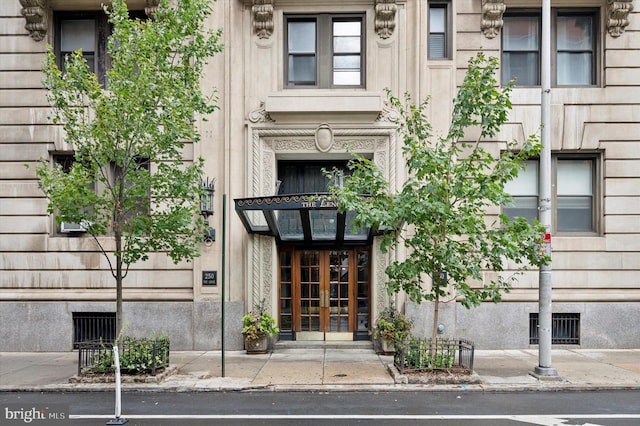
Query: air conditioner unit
[68,228]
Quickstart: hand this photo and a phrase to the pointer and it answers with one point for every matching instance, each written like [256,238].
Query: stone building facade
[302,84]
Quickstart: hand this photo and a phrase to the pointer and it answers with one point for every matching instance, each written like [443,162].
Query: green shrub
[136,356]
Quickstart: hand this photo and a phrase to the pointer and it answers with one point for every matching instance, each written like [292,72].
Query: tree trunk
[434,329]
[119,331]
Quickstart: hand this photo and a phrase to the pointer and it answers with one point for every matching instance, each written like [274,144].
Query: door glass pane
[310,290]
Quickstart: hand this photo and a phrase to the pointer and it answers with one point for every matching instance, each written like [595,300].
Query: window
[439,23]
[324,51]
[137,198]
[573,39]
[65,162]
[88,31]
[574,193]
[299,177]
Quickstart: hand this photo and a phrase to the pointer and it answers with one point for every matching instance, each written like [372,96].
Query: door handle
[324,298]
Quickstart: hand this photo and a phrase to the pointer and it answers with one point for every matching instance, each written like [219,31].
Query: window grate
[565,329]
[93,326]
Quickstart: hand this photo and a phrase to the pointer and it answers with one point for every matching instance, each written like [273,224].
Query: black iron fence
[420,355]
[93,326]
[136,356]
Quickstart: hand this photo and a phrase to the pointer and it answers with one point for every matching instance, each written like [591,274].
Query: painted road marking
[549,419]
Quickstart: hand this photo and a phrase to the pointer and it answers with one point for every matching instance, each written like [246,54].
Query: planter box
[260,346]
[384,346]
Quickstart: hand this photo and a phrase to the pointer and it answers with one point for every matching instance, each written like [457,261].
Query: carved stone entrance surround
[268,142]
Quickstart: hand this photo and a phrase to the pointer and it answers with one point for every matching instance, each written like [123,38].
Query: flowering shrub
[258,323]
[392,325]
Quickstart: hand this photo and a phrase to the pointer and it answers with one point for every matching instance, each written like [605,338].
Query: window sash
[324,51]
[573,52]
[574,194]
[438,47]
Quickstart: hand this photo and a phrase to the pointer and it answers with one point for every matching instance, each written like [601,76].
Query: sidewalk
[330,369]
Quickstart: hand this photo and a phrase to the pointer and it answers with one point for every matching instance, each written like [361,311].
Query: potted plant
[257,328]
[391,326]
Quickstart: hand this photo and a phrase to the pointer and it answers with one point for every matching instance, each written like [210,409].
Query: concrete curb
[194,387]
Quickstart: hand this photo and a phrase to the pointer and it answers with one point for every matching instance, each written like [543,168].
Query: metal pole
[224,263]
[544,367]
[117,420]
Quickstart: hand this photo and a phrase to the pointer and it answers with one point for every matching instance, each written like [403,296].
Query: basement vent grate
[565,329]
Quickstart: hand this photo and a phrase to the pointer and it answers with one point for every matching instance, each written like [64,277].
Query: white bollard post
[117,420]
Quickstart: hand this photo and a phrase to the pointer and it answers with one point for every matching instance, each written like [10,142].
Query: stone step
[319,344]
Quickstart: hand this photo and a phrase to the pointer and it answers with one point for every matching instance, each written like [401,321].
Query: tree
[128,180]
[440,212]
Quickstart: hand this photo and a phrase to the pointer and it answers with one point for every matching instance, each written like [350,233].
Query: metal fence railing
[420,355]
[93,326]
[137,356]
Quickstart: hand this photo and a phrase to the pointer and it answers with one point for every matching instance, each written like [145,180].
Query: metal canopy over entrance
[310,220]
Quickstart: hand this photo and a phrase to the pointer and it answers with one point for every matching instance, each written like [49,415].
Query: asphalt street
[604,408]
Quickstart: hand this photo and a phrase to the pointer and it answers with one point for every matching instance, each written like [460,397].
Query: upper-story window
[88,31]
[439,30]
[324,51]
[575,191]
[574,56]
[83,30]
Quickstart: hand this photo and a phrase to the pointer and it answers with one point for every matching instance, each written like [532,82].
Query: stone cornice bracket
[492,11]
[618,16]
[35,13]
[388,114]
[151,8]
[262,11]
[260,115]
[385,21]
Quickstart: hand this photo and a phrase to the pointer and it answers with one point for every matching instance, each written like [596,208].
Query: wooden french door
[329,293]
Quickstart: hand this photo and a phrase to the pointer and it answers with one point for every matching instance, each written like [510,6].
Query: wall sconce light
[207,189]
